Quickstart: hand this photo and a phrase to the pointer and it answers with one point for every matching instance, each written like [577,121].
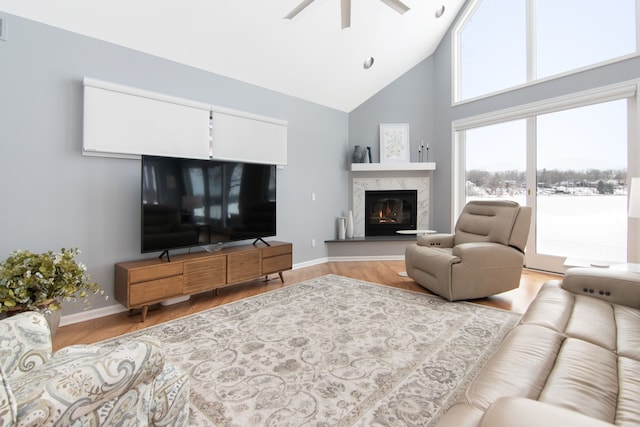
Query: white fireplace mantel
[393,167]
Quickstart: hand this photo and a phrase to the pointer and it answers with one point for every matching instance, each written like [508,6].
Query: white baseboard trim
[91,314]
[310,263]
[367,258]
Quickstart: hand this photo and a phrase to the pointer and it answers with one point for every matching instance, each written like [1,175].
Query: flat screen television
[193,202]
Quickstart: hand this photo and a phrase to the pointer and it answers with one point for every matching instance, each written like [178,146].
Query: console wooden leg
[145,309]
[281,277]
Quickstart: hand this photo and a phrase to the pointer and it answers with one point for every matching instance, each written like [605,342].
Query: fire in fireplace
[388,211]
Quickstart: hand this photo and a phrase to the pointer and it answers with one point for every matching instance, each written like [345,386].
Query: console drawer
[158,271]
[272,251]
[155,290]
[276,264]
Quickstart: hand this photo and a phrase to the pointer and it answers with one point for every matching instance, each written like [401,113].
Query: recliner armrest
[521,412]
[487,254]
[439,240]
[614,286]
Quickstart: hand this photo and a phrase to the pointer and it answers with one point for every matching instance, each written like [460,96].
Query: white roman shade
[124,121]
[240,136]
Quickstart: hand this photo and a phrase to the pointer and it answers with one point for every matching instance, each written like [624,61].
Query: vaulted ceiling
[309,57]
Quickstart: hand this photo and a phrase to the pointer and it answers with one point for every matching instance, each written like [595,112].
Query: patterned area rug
[331,351]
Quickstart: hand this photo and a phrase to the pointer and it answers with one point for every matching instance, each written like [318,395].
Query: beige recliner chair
[484,257]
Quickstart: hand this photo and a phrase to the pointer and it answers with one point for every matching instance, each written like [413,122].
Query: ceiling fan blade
[396,5]
[298,9]
[346,14]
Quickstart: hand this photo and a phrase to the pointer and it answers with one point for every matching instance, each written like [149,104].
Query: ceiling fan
[345,9]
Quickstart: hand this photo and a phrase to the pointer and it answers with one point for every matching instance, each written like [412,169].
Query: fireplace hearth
[388,211]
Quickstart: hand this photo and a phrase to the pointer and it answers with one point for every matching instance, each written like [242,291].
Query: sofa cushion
[518,368]
[628,332]
[531,413]
[628,411]
[551,308]
[584,379]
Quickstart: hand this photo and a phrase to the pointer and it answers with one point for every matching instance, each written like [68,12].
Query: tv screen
[192,202]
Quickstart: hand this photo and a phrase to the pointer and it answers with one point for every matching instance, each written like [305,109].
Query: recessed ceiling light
[440,11]
[368,62]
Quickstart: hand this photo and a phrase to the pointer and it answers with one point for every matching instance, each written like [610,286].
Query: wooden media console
[139,284]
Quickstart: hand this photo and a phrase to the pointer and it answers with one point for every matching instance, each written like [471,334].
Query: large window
[582,182]
[489,61]
[496,161]
[570,160]
[505,43]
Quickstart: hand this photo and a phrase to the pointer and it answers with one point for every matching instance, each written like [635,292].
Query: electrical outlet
[313,196]
[313,243]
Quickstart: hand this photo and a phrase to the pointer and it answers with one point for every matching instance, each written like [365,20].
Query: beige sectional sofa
[574,359]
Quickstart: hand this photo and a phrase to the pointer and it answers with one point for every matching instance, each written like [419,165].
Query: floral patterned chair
[112,383]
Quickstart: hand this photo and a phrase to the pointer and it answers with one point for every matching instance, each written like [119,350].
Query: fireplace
[387,211]
[389,182]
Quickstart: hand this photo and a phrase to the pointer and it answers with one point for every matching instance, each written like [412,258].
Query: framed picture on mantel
[394,143]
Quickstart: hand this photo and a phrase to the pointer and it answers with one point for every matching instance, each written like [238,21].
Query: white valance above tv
[122,121]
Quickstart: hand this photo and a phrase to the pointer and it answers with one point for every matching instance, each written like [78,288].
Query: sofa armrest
[512,411]
[79,379]
[8,404]
[438,240]
[616,287]
[25,343]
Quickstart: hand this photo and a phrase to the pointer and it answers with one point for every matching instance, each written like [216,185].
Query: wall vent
[3,29]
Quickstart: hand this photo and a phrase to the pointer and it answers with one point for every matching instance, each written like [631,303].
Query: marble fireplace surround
[360,185]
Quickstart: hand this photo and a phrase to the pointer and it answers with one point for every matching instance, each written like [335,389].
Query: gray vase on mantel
[358,155]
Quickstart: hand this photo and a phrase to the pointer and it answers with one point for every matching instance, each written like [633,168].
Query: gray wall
[409,99]
[53,197]
[433,78]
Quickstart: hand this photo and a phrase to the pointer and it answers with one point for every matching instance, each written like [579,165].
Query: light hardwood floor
[382,272]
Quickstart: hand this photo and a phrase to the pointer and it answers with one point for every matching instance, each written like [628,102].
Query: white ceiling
[309,57]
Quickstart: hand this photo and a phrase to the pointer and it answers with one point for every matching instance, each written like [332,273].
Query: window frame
[531,73]
[624,90]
